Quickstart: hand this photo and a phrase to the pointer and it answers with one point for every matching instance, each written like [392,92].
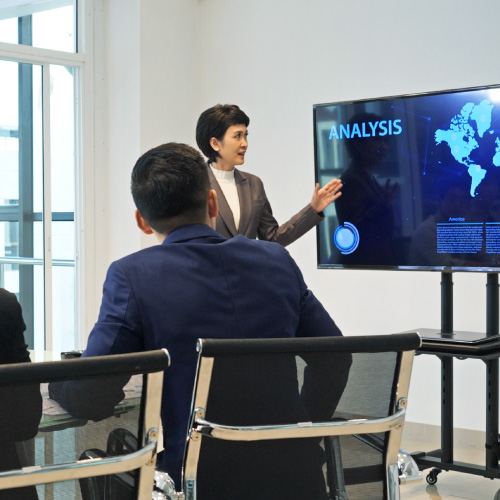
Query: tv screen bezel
[442,269]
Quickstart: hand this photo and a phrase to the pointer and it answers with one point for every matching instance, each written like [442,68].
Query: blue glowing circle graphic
[346,238]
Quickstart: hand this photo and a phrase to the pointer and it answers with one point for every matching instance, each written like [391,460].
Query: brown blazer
[256,219]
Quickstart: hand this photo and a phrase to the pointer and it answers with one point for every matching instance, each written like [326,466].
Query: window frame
[82,62]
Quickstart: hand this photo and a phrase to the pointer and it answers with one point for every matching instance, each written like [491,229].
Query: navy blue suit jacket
[198,284]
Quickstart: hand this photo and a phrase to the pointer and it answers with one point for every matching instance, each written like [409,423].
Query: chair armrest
[299,430]
[41,474]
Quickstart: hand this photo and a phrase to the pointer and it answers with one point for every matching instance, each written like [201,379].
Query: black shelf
[447,345]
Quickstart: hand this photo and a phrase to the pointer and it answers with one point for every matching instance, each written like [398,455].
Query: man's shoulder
[141,259]
[192,233]
[239,248]
[10,309]
[256,247]
[6,296]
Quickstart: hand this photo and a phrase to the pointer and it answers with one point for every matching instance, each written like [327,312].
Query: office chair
[316,418]
[110,392]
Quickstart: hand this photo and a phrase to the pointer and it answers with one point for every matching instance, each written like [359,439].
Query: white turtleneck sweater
[228,186]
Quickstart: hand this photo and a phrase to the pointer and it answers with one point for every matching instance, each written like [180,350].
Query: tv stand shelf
[447,345]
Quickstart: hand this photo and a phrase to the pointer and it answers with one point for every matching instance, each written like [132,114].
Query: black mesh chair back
[316,418]
[104,440]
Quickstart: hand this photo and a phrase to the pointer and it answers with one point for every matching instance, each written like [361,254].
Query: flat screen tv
[421,181]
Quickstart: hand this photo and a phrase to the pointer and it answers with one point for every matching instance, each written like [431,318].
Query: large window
[48,24]
[39,141]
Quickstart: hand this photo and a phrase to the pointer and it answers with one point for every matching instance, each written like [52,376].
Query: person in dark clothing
[21,406]
[198,284]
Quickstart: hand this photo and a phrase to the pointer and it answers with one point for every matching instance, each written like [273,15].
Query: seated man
[21,406]
[195,284]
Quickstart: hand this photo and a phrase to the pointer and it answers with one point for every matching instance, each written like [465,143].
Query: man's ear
[212,208]
[142,224]
[213,204]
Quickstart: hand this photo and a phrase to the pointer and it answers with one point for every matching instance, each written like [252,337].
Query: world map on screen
[467,130]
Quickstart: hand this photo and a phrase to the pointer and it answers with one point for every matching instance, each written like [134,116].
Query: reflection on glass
[39,24]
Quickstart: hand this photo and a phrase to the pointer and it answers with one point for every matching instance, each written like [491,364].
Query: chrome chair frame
[407,343]
[151,363]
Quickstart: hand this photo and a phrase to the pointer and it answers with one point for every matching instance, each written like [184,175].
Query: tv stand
[492,304]
[485,347]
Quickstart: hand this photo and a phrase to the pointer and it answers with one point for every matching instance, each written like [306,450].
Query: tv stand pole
[446,303]
[446,370]
[492,376]
[442,459]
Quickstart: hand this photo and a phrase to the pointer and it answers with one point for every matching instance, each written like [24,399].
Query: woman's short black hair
[214,122]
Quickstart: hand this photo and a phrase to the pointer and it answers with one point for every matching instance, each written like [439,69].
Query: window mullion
[47,208]
[25,207]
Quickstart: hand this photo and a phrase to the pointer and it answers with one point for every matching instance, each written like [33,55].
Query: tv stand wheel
[432,476]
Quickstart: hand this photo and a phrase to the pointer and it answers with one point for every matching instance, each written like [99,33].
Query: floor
[450,485]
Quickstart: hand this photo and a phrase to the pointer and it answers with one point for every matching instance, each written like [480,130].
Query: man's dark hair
[214,122]
[170,187]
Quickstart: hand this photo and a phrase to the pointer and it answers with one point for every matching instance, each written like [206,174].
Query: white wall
[169,74]
[276,59]
[149,52]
